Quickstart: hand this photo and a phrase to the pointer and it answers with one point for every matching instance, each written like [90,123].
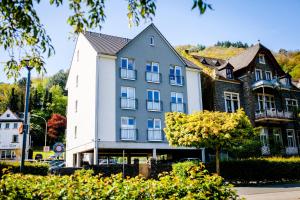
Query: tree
[22,33]
[60,78]
[56,127]
[212,129]
[58,102]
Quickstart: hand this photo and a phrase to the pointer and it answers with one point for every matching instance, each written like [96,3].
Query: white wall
[84,118]
[194,90]
[106,98]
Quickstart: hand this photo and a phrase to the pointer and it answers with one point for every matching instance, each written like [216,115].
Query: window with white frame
[291,139]
[127,69]
[261,59]
[6,125]
[7,115]
[177,102]
[152,72]
[264,138]
[128,128]
[176,77]
[128,100]
[232,102]
[268,75]
[291,104]
[266,102]
[15,139]
[277,136]
[258,74]
[153,100]
[154,130]
[152,40]
[15,125]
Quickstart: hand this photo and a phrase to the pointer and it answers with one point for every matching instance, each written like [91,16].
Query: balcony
[154,135]
[128,74]
[152,77]
[154,105]
[273,84]
[291,150]
[176,80]
[128,103]
[128,134]
[274,115]
[178,107]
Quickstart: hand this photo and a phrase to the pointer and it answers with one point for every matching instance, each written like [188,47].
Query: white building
[118,92]
[10,138]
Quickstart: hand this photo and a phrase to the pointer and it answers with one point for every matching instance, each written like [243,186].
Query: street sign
[58,147]
[46,148]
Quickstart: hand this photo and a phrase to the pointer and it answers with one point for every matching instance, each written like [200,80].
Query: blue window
[153,95]
[176,77]
[148,67]
[124,62]
[150,123]
[131,121]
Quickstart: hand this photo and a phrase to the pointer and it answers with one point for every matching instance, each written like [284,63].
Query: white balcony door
[153,102]
[128,97]
[127,68]
[152,74]
[291,139]
[128,128]
[177,102]
[154,130]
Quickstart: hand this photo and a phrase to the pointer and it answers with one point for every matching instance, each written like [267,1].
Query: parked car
[105,162]
[38,156]
[55,168]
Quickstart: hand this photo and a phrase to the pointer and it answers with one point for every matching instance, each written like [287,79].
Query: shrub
[198,184]
[29,168]
[262,170]
[182,169]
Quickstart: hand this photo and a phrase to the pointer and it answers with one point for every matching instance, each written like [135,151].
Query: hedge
[198,184]
[260,170]
[29,168]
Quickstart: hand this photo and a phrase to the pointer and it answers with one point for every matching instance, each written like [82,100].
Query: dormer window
[152,40]
[288,81]
[261,59]
[7,115]
[229,73]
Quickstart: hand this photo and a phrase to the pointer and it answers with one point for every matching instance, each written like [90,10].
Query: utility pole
[25,122]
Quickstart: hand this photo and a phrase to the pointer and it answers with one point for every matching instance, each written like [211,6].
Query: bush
[263,170]
[198,184]
[29,168]
[182,169]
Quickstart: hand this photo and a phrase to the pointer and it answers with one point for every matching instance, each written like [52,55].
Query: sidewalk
[271,192]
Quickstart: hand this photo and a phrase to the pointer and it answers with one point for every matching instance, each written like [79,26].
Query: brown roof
[211,62]
[111,45]
[106,44]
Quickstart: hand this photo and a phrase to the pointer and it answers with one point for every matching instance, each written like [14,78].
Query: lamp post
[26,124]
[46,126]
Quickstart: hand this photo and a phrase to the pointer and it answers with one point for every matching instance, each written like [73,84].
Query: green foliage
[246,149]
[182,169]
[60,78]
[228,44]
[207,128]
[22,33]
[29,168]
[272,169]
[59,101]
[198,184]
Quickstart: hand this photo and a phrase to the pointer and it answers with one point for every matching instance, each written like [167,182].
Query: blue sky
[275,22]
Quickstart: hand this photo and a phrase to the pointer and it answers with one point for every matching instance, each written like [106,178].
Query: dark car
[38,156]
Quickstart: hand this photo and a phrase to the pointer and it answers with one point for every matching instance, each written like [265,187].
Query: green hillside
[288,60]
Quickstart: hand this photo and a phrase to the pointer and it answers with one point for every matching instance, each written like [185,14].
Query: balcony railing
[129,74]
[128,133]
[153,77]
[178,107]
[275,114]
[265,150]
[128,103]
[176,80]
[291,150]
[154,105]
[154,134]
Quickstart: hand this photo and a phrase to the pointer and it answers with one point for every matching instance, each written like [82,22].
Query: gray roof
[106,44]
[111,45]
[244,59]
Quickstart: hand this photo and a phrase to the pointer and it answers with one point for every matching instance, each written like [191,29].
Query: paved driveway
[271,192]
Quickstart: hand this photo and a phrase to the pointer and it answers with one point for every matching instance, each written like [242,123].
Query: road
[271,192]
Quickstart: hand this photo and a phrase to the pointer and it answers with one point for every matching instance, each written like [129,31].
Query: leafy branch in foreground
[26,42]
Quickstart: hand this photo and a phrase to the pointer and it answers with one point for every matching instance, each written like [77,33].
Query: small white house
[10,138]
